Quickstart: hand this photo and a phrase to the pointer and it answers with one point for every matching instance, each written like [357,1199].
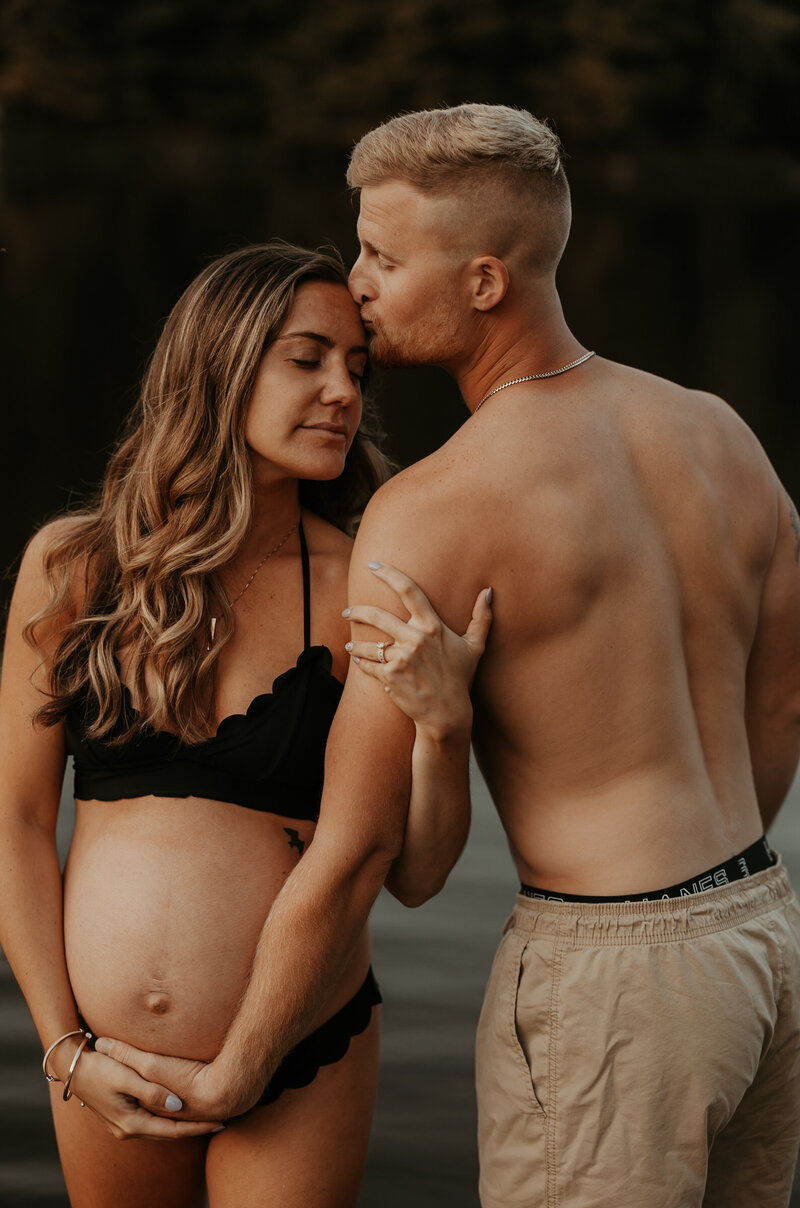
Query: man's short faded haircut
[429,147]
[499,157]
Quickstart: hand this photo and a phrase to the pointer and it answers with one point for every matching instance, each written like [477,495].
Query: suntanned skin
[628,571]
[637,711]
[645,567]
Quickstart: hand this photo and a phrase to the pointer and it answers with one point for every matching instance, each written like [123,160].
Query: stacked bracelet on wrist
[87,1036]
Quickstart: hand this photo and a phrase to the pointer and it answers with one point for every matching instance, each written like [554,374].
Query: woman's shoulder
[330,551]
[325,538]
[55,551]
[53,535]
[59,543]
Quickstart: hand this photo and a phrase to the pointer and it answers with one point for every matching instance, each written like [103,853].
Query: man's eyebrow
[314,335]
[373,247]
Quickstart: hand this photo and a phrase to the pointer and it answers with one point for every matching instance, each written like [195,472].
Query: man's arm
[428,675]
[773,672]
[319,915]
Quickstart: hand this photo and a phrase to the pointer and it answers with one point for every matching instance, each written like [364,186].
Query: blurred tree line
[140,139]
[308,74]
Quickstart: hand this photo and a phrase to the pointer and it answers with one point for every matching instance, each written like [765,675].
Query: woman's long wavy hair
[175,506]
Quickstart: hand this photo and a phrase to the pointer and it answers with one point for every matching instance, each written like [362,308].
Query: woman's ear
[489,280]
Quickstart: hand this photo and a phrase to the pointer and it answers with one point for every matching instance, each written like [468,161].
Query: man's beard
[434,341]
[392,354]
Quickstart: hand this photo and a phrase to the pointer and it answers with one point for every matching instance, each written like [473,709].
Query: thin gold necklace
[266,557]
[534,377]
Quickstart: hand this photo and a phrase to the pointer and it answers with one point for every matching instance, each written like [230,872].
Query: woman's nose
[341,387]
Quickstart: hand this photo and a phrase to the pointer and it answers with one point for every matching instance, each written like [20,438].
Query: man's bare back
[627,527]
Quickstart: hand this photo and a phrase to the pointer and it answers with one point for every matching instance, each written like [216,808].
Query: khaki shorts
[645,1054]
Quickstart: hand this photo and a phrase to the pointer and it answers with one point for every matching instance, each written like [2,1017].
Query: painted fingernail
[345,612]
[489,595]
[348,645]
[102,1046]
[220,1129]
[356,659]
[172,1103]
[374,565]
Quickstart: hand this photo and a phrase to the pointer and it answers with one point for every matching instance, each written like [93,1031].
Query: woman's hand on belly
[128,1104]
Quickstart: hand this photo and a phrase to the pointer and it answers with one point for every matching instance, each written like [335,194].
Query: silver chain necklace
[274,550]
[534,377]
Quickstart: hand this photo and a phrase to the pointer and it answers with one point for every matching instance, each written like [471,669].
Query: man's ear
[489,279]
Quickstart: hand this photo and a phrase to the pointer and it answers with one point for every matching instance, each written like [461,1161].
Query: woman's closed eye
[357,376]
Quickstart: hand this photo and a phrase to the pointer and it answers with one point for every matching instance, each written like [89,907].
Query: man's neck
[524,338]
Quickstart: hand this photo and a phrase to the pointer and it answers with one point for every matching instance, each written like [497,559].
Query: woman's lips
[333,430]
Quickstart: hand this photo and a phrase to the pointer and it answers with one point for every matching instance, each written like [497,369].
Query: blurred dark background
[142,139]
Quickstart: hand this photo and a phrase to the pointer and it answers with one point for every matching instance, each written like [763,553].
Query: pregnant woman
[183,640]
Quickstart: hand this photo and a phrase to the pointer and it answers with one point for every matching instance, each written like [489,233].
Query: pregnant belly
[164,902]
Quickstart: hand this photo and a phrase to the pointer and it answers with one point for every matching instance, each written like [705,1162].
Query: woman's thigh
[102,1172]
[309,1147]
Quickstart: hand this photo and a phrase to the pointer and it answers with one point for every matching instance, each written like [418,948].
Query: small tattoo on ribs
[294,839]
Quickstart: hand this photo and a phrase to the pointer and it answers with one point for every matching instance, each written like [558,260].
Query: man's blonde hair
[498,160]
[429,147]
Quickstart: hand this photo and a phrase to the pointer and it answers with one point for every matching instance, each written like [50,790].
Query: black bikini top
[270,758]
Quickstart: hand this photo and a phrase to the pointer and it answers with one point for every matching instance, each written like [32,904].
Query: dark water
[432,964]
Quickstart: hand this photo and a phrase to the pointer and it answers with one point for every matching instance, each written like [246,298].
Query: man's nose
[359,284]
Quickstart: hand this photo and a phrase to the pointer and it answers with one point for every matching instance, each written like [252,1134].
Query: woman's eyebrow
[309,335]
[314,335]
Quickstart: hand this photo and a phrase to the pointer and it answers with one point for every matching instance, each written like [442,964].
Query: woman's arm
[31,920]
[31,772]
[427,670]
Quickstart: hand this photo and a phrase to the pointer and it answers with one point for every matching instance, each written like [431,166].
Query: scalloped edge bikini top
[270,758]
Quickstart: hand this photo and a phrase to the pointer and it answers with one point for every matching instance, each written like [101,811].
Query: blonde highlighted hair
[138,571]
[430,147]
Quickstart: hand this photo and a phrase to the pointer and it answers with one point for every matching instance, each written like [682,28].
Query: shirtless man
[637,713]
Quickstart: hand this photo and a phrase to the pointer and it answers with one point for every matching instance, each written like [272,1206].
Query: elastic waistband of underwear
[755,858]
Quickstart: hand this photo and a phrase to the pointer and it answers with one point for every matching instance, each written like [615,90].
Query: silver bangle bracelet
[54,1045]
[87,1036]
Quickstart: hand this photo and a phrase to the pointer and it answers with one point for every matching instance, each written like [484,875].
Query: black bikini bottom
[327,1044]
